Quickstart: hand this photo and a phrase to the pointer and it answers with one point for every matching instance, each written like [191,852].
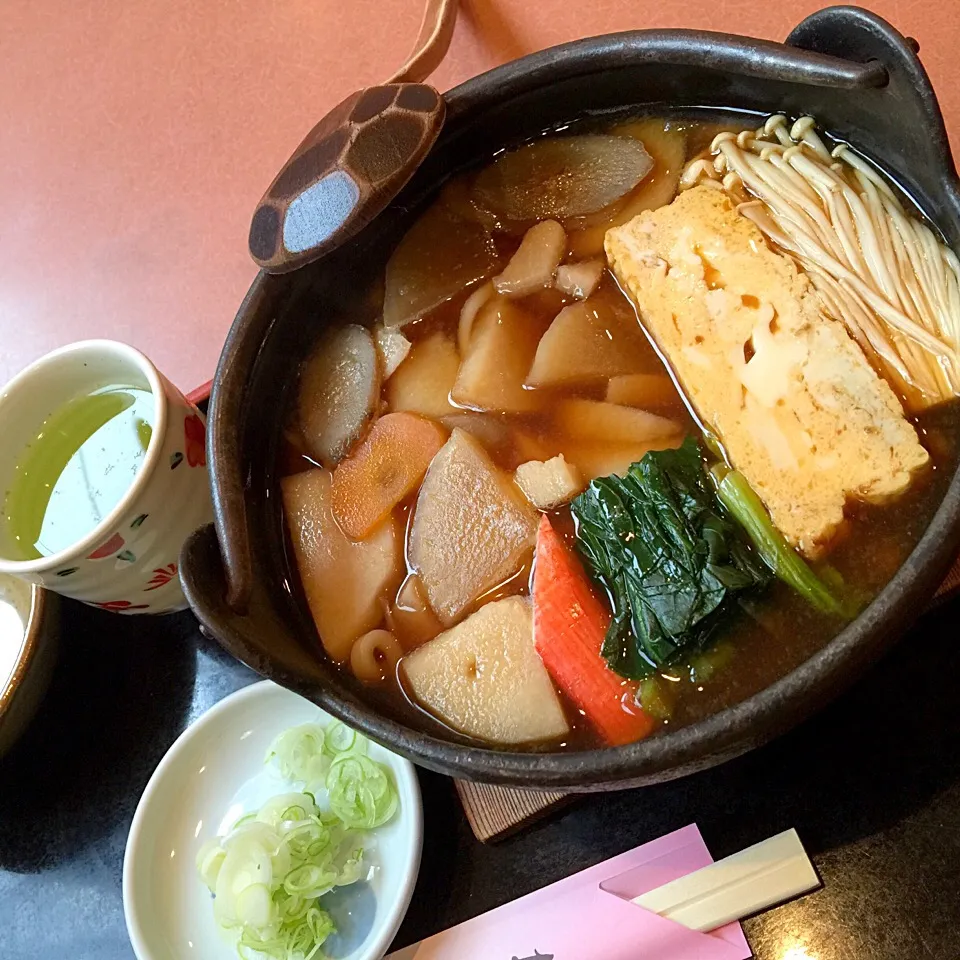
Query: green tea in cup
[103,476]
[76,469]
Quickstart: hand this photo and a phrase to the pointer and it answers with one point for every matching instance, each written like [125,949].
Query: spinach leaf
[665,550]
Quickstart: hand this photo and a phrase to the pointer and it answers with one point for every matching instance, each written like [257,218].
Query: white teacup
[128,562]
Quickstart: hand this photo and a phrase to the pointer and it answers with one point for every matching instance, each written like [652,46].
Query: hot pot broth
[473,382]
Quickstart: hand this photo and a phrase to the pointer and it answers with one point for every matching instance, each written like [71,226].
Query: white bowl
[213,774]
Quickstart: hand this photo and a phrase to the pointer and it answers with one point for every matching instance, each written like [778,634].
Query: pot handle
[256,637]
[433,41]
[787,62]
[225,427]
[855,34]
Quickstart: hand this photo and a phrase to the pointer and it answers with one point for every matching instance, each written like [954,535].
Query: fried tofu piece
[800,411]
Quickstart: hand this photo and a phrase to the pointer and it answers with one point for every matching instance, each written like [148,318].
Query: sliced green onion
[270,873]
[210,858]
[309,877]
[275,810]
[340,738]
[361,792]
[295,748]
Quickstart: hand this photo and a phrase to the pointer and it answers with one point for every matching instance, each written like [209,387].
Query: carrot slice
[385,468]
[569,624]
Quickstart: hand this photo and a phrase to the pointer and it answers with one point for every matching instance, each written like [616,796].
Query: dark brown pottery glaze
[846,67]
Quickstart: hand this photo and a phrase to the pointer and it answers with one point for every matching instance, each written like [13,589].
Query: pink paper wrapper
[589,916]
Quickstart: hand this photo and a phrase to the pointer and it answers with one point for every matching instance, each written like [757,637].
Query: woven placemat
[495,812]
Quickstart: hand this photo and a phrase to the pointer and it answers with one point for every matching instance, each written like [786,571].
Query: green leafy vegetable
[739,498]
[670,559]
[704,665]
[270,873]
[657,697]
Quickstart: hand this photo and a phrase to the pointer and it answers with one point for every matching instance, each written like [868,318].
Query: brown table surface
[137,137]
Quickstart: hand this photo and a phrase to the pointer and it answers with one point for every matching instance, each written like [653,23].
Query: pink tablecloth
[137,137]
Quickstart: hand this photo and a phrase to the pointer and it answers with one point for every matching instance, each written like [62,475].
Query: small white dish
[213,774]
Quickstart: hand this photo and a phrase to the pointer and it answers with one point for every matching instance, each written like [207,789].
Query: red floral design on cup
[195,441]
[108,548]
[121,606]
[161,577]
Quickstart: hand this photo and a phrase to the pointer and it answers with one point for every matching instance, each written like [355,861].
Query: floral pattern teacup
[128,563]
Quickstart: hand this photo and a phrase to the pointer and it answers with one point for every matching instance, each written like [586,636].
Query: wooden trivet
[495,812]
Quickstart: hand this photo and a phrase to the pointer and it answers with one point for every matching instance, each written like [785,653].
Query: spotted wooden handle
[356,159]
[433,41]
[349,167]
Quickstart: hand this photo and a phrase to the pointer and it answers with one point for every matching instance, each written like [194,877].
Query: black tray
[872,784]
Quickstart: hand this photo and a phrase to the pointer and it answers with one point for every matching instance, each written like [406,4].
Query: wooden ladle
[356,159]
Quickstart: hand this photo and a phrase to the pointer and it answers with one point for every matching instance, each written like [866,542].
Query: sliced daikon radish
[339,391]
[559,177]
[547,484]
[392,347]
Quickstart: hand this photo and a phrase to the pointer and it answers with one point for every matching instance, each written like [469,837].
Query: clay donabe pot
[846,67]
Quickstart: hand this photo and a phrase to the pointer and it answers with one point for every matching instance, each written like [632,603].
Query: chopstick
[762,876]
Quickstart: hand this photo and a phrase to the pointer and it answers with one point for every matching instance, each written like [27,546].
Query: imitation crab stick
[569,624]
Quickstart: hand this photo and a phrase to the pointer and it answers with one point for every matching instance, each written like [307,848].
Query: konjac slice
[589,342]
[559,177]
[422,383]
[502,346]
[483,677]
[471,528]
[569,625]
[345,583]
[469,312]
[441,255]
[535,263]
[339,390]
[386,467]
